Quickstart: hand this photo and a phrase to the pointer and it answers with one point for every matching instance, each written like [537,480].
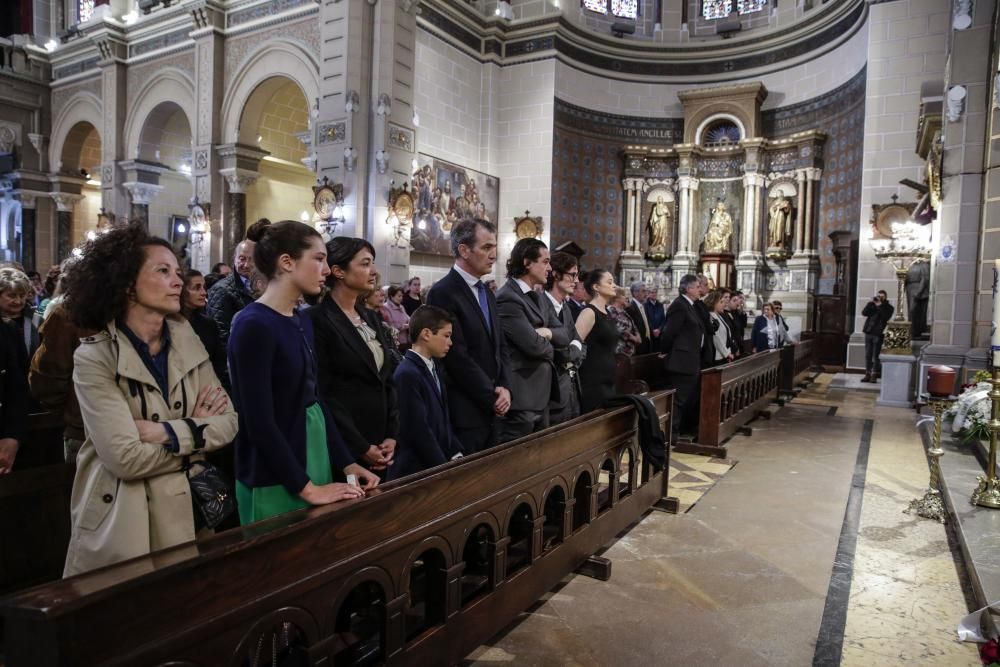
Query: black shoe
[867,378]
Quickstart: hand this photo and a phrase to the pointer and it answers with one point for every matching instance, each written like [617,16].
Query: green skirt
[262,502]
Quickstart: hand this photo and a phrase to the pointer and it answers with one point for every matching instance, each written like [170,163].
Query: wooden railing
[796,361]
[419,573]
[732,395]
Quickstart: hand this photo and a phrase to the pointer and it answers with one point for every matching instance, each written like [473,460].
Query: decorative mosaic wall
[841,115]
[587,172]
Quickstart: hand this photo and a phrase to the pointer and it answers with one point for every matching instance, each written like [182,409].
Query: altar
[727,202]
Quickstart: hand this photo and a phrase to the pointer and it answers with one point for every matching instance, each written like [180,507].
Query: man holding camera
[877,312]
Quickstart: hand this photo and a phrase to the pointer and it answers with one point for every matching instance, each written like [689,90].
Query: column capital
[688,183]
[801,175]
[238,180]
[28,199]
[65,201]
[240,156]
[142,193]
[814,173]
[753,179]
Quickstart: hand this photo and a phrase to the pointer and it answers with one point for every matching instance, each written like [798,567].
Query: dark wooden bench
[44,445]
[796,363]
[420,573]
[730,397]
[640,373]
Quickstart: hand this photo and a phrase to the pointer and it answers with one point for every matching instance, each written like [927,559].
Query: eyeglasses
[572,274]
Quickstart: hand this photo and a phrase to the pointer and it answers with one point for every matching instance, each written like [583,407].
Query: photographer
[878,312]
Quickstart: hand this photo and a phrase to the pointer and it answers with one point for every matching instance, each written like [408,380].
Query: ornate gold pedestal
[931,506]
[987,494]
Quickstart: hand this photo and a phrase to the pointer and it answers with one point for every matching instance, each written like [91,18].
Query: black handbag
[211,493]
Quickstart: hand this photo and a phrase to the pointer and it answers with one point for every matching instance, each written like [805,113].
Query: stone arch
[711,115]
[83,107]
[170,85]
[278,61]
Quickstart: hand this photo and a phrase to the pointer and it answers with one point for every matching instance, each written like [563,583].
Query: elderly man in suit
[566,344]
[234,292]
[682,340]
[636,312]
[529,339]
[478,365]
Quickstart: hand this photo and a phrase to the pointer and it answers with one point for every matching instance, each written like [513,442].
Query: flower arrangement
[989,653]
[971,412]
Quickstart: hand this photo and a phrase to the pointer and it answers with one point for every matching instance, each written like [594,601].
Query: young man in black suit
[566,345]
[637,313]
[477,370]
[426,438]
[681,341]
[525,328]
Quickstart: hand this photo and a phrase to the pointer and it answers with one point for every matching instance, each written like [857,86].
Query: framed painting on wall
[445,193]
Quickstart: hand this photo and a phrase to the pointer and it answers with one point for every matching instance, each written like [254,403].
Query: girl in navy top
[288,446]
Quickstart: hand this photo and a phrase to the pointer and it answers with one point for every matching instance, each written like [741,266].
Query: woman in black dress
[598,331]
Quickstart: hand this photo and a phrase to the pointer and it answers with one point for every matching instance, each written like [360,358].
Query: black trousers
[685,417]
[519,423]
[873,350]
[477,438]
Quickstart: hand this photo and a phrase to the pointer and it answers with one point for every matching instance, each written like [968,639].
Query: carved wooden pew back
[422,572]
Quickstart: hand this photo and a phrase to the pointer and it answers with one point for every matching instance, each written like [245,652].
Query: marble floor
[800,554]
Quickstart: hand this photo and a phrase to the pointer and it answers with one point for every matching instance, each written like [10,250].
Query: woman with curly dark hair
[150,402]
[289,450]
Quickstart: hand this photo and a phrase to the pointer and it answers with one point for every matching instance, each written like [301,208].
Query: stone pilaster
[800,210]
[65,203]
[113,49]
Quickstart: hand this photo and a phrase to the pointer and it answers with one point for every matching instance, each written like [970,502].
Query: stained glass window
[749,6]
[716,9]
[84,10]
[626,9]
[596,5]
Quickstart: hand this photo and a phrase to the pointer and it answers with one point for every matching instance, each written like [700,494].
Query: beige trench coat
[131,497]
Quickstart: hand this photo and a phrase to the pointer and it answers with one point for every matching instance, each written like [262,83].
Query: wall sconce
[400,216]
[350,158]
[416,118]
[352,102]
[328,202]
[963,15]
[381,161]
[955,102]
[384,107]
[198,220]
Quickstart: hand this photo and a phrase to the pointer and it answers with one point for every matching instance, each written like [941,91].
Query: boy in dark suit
[425,435]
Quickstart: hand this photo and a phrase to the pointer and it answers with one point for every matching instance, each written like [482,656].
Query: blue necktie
[484,305]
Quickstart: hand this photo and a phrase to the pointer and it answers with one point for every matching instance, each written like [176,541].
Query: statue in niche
[658,227]
[720,229]
[779,222]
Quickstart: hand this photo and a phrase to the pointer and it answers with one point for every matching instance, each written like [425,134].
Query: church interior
[807,153]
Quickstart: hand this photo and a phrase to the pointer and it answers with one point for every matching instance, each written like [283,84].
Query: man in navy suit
[681,341]
[477,370]
[525,325]
[426,438]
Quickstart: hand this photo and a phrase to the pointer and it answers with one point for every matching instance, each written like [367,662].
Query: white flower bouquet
[971,412]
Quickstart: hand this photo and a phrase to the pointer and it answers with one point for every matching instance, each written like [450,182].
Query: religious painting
[444,194]
[625,9]
[600,6]
[716,9]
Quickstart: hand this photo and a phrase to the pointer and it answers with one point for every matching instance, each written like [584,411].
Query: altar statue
[720,229]
[779,222]
[659,229]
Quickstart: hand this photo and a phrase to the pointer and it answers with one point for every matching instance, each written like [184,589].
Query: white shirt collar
[525,287]
[555,302]
[466,276]
[428,362]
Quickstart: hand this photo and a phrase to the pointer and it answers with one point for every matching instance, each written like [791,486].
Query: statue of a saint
[720,229]
[659,229]
[779,222]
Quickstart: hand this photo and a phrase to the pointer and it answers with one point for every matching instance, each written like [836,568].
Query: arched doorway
[165,140]
[80,158]
[276,119]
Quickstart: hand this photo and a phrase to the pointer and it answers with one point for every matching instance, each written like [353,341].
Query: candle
[995,338]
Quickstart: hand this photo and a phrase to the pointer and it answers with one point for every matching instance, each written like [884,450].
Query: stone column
[64,222]
[113,50]
[800,210]
[26,239]
[209,20]
[240,165]
[141,195]
[753,183]
[235,224]
[686,259]
[812,200]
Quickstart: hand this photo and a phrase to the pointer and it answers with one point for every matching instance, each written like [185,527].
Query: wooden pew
[44,445]
[420,573]
[732,395]
[796,362]
[640,373]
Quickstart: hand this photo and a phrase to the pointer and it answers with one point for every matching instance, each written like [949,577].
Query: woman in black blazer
[356,359]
